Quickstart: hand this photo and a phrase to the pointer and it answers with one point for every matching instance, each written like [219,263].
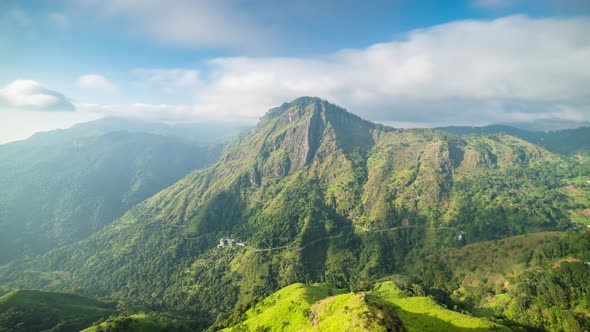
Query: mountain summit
[295,134]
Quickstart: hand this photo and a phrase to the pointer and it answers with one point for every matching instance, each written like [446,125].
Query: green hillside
[139,323]
[318,307]
[565,141]
[30,310]
[314,194]
[58,193]
[537,280]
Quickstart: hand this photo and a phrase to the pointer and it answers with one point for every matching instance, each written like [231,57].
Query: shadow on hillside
[427,323]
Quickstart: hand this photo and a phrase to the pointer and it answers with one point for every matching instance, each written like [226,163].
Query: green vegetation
[30,310]
[139,323]
[384,308]
[60,191]
[424,314]
[564,141]
[322,196]
[288,308]
[537,280]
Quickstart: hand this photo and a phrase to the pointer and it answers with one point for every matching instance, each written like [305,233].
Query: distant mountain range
[565,141]
[61,186]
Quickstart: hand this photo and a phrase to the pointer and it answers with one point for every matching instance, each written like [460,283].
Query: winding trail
[292,246]
[368,230]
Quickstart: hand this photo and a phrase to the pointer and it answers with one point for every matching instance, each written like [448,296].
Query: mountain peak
[301,103]
[290,136]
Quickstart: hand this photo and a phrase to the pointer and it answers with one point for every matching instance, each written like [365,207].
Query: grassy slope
[423,314]
[139,322]
[290,304]
[578,190]
[38,310]
[300,307]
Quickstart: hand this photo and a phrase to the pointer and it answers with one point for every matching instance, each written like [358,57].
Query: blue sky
[443,62]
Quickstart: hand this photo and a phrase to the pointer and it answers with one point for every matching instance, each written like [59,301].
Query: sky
[407,63]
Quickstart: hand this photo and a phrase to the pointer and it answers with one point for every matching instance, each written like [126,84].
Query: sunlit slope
[318,307]
[138,323]
[422,314]
[30,310]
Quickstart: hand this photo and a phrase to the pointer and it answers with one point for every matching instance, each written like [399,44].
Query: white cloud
[27,95]
[469,71]
[465,72]
[96,82]
[186,22]
[152,112]
[170,80]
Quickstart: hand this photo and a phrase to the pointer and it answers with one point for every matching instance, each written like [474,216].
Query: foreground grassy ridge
[302,307]
[32,310]
[289,308]
[354,312]
[423,314]
[139,322]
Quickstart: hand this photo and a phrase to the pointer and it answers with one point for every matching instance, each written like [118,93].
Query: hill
[312,194]
[565,141]
[536,280]
[55,194]
[383,308]
[30,310]
[206,132]
[139,323]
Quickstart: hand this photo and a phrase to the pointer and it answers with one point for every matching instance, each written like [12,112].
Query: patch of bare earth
[569,260]
[572,189]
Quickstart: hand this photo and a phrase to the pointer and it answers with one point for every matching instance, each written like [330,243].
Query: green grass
[139,322]
[353,312]
[317,307]
[289,308]
[423,314]
[578,191]
[36,311]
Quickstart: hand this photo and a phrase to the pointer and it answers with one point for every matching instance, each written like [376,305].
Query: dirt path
[299,248]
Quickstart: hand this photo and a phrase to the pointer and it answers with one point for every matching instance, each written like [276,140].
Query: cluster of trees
[551,292]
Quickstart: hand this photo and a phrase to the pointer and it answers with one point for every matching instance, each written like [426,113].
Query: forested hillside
[565,141]
[537,280]
[316,194]
[67,187]
[30,310]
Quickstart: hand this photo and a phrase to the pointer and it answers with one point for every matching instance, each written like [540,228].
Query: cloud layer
[186,22]
[96,82]
[512,68]
[26,95]
[465,72]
